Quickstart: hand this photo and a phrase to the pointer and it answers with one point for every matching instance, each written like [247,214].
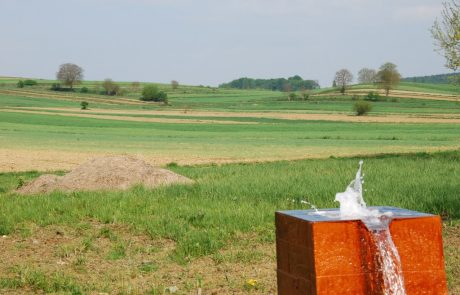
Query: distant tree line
[295,83]
[433,79]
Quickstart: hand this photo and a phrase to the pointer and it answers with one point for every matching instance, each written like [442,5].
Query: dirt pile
[107,173]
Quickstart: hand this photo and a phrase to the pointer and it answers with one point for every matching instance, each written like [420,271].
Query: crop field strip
[43,136]
[224,118]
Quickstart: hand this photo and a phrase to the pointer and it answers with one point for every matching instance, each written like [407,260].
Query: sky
[208,42]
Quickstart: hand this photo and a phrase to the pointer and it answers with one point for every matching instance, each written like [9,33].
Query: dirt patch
[452,256]
[16,159]
[84,254]
[107,173]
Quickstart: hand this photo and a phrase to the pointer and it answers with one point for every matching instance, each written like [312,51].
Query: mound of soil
[107,173]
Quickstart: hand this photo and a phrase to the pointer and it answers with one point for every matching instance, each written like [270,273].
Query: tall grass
[230,200]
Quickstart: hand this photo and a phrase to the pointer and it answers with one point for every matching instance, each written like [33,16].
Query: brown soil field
[432,118]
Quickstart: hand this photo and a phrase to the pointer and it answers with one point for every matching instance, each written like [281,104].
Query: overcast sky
[213,41]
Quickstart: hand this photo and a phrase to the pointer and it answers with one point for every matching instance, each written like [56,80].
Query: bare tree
[446,34]
[388,77]
[343,78]
[70,74]
[367,76]
[174,84]
[110,87]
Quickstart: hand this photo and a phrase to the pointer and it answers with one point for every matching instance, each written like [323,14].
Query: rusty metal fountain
[359,250]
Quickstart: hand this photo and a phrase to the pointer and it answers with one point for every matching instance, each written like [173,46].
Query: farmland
[203,125]
[251,152]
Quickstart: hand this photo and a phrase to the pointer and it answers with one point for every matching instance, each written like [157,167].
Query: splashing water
[311,205]
[352,205]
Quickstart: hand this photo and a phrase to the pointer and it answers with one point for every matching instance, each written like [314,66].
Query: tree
[388,77]
[367,76]
[152,93]
[287,87]
[70,74]
[343,78]
[295,83]
[174,84]
[446,34]
[110,87]
[20,84]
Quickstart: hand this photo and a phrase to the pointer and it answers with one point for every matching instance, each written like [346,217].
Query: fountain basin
[321,253]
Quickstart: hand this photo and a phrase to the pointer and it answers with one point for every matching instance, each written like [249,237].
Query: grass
[241,198]
[269,139]
[228,202]
[420,87]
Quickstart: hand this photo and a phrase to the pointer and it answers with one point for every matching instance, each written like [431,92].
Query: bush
[372,96]
[30,83]
[152,93]
[84,105]
[56,87]
[84,90]
[305,96]
[362,107]
[20,84]
[292,96]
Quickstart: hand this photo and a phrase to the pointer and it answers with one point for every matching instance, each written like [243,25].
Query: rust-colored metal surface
[339,257]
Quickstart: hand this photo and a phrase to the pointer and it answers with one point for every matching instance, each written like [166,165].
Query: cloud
[418,13]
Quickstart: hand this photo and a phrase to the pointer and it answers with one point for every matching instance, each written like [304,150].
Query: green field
[206,219]
[219,232]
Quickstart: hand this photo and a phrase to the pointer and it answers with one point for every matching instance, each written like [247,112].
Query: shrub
[56,87]
[20,84]
[30,83]
[372,96]
[362,107]
[84,105]
[84,90]
[292,96]
[152,93]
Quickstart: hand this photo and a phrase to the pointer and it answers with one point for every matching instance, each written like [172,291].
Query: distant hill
[434,79]
[294,83]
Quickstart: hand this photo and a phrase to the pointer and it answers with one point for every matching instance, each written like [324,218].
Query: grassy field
[204,124]
[217,234]
[222,225]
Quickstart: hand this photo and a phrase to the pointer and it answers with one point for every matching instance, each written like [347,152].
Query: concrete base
[338,257]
